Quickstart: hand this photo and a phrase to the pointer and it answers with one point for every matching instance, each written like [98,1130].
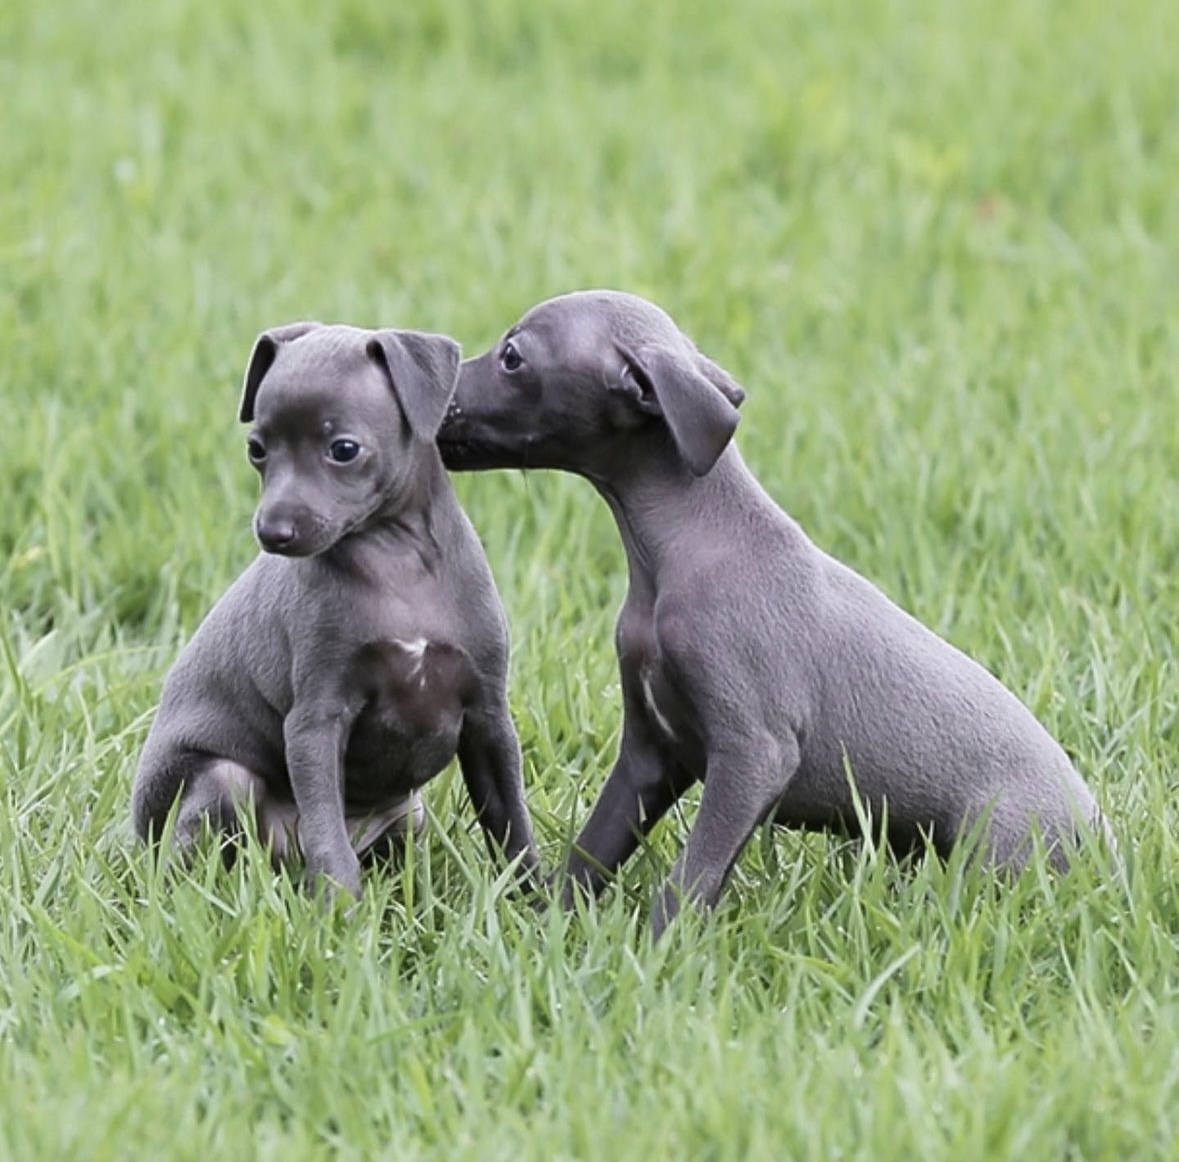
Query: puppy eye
[509,358]
[343,451]
[256,450]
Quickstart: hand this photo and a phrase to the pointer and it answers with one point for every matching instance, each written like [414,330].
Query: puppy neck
[660,505]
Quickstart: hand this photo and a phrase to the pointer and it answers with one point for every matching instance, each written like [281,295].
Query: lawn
[937,243]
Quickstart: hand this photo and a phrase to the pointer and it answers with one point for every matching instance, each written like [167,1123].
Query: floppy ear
[265,349]
[696,398]
[721,380]
[423,370]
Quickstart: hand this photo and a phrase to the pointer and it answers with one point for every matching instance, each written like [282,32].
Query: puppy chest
[671,719]
[661,704]
[414,691]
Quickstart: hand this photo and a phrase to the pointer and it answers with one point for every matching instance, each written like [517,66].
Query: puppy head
[342,421]
[584,376]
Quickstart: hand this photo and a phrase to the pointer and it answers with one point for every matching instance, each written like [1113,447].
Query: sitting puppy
[352,659]
[750,659]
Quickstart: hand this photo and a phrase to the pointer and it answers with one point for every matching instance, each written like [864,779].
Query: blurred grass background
[936,243]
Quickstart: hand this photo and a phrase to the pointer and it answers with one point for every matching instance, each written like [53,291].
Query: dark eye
[509,358]
[256,450]
[343,451]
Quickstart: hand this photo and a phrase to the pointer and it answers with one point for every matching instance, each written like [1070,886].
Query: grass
[939,244]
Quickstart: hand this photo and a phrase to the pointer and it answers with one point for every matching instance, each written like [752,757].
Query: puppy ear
[265,349]
[696,398]
[423,370]
[721,380]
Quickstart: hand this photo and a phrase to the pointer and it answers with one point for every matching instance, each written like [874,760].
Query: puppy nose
[274,534]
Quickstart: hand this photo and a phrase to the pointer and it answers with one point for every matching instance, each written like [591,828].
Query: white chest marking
[649,695]
[416,649]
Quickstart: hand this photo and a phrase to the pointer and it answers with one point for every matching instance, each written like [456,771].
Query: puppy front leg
[315,760]
[638,792]
[741,787]
[489,756]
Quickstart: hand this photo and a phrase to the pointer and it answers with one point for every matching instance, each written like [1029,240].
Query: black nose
[275,535]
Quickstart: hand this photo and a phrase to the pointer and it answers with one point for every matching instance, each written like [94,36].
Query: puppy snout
[275,534]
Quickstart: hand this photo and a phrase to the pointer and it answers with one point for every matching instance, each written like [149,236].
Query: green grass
[938,243]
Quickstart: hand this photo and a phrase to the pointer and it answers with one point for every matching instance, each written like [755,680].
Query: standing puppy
[347,665]
[750,659]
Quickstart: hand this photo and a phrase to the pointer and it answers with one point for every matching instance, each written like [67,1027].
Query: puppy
[750,659]
[365,646]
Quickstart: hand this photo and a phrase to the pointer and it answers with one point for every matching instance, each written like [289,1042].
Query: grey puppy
[750,659]
[352,659]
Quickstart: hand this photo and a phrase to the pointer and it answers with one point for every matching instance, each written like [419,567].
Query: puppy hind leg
[213,796]
[1062,828]
[380,835]
[278,826]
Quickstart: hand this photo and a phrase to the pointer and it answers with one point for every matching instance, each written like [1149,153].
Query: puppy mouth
[461,448]
[468,446]
[291,549]
[455,453]
[463,454]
